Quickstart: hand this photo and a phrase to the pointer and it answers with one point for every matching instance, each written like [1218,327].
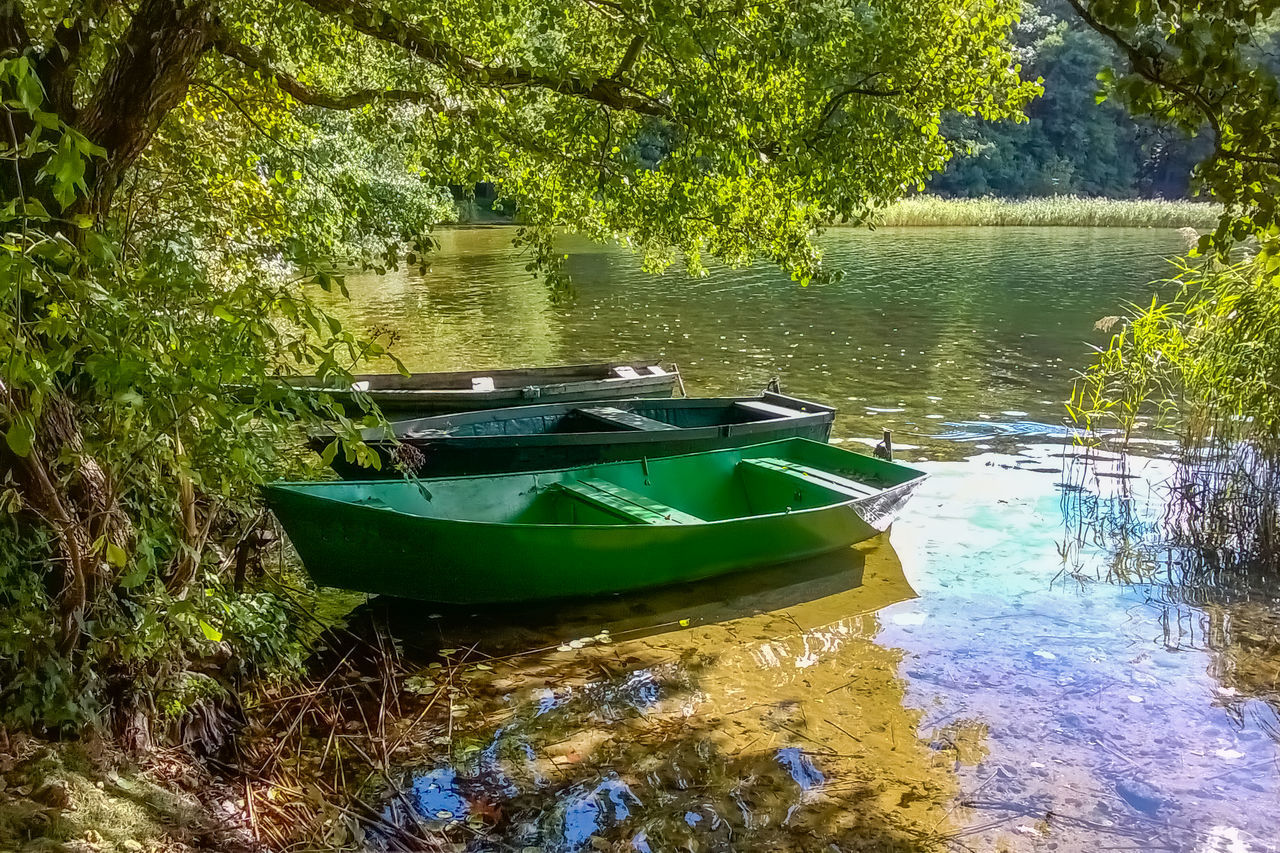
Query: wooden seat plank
[630,420]
[827,480]
[616,500]
[772,411]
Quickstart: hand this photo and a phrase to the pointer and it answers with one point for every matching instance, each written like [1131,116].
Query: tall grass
[1052,210]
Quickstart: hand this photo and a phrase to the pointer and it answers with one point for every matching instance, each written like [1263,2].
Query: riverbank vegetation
[1078,211]
[1206,359]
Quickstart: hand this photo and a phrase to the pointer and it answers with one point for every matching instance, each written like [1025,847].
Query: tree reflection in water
[769,719]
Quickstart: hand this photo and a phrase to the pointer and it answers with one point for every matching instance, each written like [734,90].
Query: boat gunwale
[583,368]
[506,391]
[915,481]
[290,486]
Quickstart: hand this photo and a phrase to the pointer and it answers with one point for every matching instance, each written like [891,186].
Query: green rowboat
[591,530]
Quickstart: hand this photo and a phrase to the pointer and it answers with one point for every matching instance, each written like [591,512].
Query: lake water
[975,680]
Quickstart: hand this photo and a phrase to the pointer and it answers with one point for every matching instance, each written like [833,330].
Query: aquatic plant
[1210,355]
[1203,364]
[1062,210]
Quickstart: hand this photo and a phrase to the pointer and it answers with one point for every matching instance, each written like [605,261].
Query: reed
[925,210]
[1204,365]
[317,759]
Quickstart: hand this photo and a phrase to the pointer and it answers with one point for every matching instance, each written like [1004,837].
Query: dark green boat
[531,438]
[592,530]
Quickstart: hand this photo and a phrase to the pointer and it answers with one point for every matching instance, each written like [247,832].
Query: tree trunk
[13,33]
[42,496]
[149,76]
[146,76]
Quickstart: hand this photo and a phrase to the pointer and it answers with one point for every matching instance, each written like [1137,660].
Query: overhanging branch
[833,104]
[384,27]
[1149,69]
[301,92]
[1146,67]
[629,58]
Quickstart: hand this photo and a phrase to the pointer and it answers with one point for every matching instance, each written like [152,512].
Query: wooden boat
[464,391]
[592,530]
[529,438]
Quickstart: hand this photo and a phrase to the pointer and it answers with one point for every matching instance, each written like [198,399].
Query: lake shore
[936,211]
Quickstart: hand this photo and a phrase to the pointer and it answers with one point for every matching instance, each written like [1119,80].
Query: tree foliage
[179,175]
[1215,65]
[1071,143]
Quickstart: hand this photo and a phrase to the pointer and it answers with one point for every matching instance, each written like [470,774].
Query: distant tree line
[1071,143]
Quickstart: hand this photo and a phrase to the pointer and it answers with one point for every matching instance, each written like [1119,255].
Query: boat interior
[624,416]
[764,479]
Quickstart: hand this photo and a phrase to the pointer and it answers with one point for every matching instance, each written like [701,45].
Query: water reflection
[1010,705]
[761,719]
[1109,724]
[517,629]
[988,429]
[955,324]
[1227,613]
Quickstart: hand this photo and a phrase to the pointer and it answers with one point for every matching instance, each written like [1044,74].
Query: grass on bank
[1053,210]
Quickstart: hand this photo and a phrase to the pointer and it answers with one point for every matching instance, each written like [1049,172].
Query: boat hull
[372,549]
[377,552]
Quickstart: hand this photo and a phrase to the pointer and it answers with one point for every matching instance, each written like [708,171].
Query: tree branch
[1145,66]
[13,30]
[61,64]
[301,92]
[1148,68]
[629,58]
[382,26]
[834,102]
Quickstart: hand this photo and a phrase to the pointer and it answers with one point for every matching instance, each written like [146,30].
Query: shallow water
[978,679]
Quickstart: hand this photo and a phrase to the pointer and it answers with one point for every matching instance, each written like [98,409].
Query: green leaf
[115,555]
[330,451]
[135,577]
[21,436]
[30,92]
[210,632]
[67,169]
